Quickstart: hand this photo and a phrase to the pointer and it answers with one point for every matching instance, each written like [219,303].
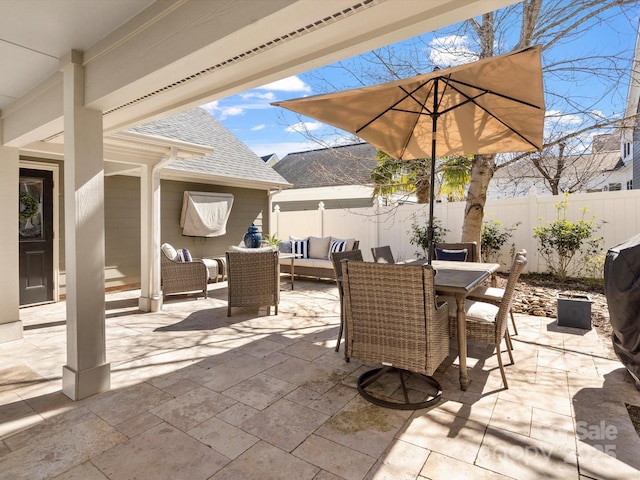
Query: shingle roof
[345,165]
[230,158]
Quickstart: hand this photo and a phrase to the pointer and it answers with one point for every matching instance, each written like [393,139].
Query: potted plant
[574,310]
[271,240]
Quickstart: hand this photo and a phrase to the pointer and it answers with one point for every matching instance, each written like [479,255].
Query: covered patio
[198,395]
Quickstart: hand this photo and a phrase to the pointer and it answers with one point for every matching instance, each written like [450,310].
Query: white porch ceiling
[146,59]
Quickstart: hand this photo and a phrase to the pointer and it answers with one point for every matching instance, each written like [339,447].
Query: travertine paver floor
[197,395]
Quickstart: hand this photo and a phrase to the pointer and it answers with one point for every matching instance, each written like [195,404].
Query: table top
[458,277]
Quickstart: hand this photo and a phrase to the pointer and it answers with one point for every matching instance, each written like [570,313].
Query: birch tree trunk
[481,174]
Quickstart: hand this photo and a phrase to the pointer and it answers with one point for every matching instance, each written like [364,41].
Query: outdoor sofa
[315,255]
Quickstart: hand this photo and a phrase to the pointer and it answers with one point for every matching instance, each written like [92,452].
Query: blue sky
[267,129]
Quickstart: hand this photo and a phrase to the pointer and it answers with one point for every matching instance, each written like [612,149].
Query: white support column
[86,371]
[150,241]
[10,324]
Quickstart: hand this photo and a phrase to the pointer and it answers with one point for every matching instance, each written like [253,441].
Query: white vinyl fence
[378,225]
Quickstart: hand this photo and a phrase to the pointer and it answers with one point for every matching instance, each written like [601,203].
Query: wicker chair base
[427,400]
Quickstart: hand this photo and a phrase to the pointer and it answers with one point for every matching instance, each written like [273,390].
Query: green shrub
[420,234]
[493,237]
[568,247]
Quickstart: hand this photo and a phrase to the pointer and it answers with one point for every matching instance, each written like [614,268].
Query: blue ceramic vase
[252,239]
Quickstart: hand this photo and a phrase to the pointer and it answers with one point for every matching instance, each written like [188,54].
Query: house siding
[122,224]
[636,155]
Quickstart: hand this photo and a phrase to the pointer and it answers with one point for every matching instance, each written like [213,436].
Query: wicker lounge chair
[336,259]
[182,277]
[253,279]
[392,319]
[382,254]
[486,322]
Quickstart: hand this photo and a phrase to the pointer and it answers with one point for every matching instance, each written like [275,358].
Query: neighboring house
[271,159]
[340,177]
[600,170]
[630,142]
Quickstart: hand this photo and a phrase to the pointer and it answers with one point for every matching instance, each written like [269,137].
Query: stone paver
[198,395]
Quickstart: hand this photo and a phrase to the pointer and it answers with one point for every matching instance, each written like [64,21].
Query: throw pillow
[179,255]
[301,247]
[285,246]
[350,242]
[186,255]
[452,255]
[319,247]
[169,251]
[337,246]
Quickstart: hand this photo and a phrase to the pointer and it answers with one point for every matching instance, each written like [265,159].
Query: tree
[556,25]
[413,177]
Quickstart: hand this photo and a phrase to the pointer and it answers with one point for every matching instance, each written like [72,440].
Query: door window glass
[30,204]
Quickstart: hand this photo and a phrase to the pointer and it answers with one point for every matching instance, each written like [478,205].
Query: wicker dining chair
[253,279]
[382,254]
[486,322]
[495,295]
[336,259]
[443,250]
[392,319]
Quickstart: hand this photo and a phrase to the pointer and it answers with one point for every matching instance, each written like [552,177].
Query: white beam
[175,55]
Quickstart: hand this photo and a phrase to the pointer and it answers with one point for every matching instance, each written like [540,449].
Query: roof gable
[344,165]
[231,159]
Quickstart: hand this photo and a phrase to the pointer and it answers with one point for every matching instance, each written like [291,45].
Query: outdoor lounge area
[199,395]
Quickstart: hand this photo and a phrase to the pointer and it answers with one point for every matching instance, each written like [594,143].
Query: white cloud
[564,119]
[450,51]
[223,112]
[257,128]
[290,84]
[302,127]
[226,112]
[269,96]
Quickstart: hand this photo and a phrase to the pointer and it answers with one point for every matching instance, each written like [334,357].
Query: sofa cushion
[319,247]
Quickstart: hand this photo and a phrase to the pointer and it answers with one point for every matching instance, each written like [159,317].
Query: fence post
[533,217]
[321,213]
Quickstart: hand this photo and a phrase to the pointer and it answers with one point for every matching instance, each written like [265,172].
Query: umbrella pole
[432,194]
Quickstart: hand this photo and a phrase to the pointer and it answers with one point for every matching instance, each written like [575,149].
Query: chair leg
[341,324]
[507,339]
[513,322]
[339,333]
[276,310]
[504,377]
[228,310]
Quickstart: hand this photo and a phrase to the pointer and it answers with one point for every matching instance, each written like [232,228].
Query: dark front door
[36,236]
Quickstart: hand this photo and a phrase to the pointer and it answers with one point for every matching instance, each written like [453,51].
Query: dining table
[458,279]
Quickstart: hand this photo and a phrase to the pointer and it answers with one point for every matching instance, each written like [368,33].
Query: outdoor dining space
[196,394]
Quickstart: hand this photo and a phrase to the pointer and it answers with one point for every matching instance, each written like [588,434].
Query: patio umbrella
[490,106]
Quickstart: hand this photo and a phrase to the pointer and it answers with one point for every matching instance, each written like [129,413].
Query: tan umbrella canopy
[490,106]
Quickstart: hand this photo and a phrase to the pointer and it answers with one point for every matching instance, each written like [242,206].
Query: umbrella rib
[485,92]
[407,94]
[433,114]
